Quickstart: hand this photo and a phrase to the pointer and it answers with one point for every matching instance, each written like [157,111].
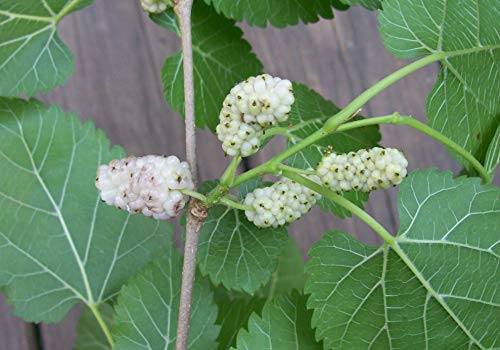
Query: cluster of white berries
[149,184]
[251,106]
[365,170]
[283,202]
[156,6]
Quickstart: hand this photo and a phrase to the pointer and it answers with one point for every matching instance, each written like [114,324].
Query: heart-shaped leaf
[434,287]
[58,243]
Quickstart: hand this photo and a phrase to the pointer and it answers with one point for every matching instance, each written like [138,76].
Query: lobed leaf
[222,58]
[277,13]
[434,287]
[58,243]
[284,324]
[309,113]
[464,103]
[32,56]
[148,306]
[236,253]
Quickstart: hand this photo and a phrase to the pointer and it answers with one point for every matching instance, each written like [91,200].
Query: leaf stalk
[235,205]
[102,324]
[334,123]
[398,119]
[344,203]
[228,176]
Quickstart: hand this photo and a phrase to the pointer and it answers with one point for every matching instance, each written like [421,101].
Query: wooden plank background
[119,54]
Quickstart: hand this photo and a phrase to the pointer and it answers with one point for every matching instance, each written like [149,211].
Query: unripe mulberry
[238,137]
[364,170]
[149,185]
[283,202]
[156,6]
[251,106]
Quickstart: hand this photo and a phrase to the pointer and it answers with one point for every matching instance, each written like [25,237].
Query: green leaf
[277,13]
[89,334]
[435,287]
[493,154]
[289,275]
[309,113]
[235,308]
[58,243]
[148,306]
[32,56]
[464,103]
[222,58]
[285,324]
[340,5]
[369,4]
[236,253]
[234,311]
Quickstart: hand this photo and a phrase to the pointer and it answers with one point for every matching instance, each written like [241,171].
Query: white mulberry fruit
[364,170]
[251,106]
[149,185]
[156,6]
[283,202]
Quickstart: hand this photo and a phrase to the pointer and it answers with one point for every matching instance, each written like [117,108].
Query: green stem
[450,144]
[236,205]
[327,193]
[228,176]
[368,94]
[194,194]
[397,119]
[334,122]
[388,119]
[277,131]
[296,170]
[67,9]
[102,323]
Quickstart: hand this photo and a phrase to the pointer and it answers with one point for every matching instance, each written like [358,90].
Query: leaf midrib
[60,217]
[54,19]
[402,255]
[27,17]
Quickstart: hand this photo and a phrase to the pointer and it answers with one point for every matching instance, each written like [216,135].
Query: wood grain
[119,55]
[15,334]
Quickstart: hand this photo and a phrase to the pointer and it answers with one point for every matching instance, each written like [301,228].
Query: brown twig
[183,11]
[197,212]
[196,216]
